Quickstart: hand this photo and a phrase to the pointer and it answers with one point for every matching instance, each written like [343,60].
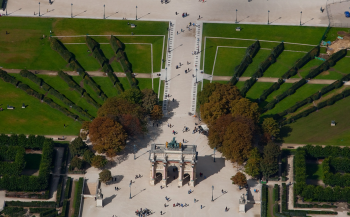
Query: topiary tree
[77,147]
[105,175]
[88,155]
[239,179]
[98,161]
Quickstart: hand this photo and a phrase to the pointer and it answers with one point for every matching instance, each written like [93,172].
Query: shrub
[264,200]
[60,108]
[77,196]
[8,78]
[99,56]
[91,100]
[276,192]
[91,43]
[247,85]
[309,56]
[116,44]
[71,83]
[46,204]
[59,191]
[27,74]
[68,188]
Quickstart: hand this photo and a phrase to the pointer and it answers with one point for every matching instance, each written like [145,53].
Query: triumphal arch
[181,158]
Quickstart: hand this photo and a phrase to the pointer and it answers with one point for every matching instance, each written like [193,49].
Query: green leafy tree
[105,175]
[22,140]
[13,141]
[132,95]
[239,179]
[88,155]
[245,108]
[270,128]
[76,162]
[149,99]
[252,167]
[269,164]
[98,161]
[77,147]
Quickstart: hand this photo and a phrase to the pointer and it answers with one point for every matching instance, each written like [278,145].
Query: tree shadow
[138,193]
[206,166]
[284,132]
[108,200]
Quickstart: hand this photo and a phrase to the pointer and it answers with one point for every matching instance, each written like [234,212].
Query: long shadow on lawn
[284,132]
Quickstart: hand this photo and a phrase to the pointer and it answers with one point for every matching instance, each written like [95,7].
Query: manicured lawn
[125,83]
[161,93]
[239,84]
[296,34]
[62,87]
[307,67]
[106,86]
[86,60]
[32,161]
[37,118]
[227,59]
[283,63]
[260,56]
[275,93]
[303,92]
[333,33]
[314,171]
[316,127]
[145,83]
[23,47]
[156,85]
[257,89]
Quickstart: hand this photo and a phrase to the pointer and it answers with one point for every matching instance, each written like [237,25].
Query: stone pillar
[165,175]
[153,167]
[180,181]
[193,175]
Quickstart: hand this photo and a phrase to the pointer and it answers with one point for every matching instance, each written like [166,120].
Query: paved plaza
[180,89]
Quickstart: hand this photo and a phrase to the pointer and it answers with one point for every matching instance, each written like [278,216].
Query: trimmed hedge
[332,166]
[27,74]
[61,49]
[46,204]
[275,194]
[65,209]
[91,43]
[264,200]
[251,51]
[274,87]
[68,188]
[71,83]
[99,56]
[54,105]
[247,85]
[59,191]
[116,44]
[77,196]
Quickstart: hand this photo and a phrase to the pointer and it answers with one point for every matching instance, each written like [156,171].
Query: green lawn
[106,86]
[240,84]
[37,118]
[336,72]
[306,69]
[24,48]
[32,161]
[62,87]
[303,92]
[295,34]
[314,171]
[259,57]
[283,63]
[85,58]
[227,59]
[257,89]
[316,127]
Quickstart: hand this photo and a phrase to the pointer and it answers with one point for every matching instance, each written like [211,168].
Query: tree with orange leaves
[107,136]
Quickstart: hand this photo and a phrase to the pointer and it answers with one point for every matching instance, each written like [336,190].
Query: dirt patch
[324,73]
[324,56]
[338,45]
[30,172]
[343,33]
[111,60]
[81,83]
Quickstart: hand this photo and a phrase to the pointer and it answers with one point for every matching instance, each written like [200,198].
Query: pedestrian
[175,13]
[183,140]
[201,207]
[64,125]
[157,125]
[177,32]
[222,190]
[194,200]
[130,181]
[153,124]
[115,188]
[164,204]
[95,198]
[226,209]
[168,124]
[200,15]
[173,100]
[161,213]
[188,69]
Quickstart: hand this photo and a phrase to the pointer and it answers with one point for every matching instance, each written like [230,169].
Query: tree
[245,108]
[219,102]
[76,162]
[218,130]
[13,141]
[22,140]
[85,125]
[88,155]
[252,167]
[269,164]
[157,112]
[77,147]
[132,95]
[203,96]
[270,128]
[98,161]
[131,124]
[107,136]
[238,140]
[149,99]
[239,179]
[105,175]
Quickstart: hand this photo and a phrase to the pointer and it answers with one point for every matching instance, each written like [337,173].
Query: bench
[10,107]
[61,138]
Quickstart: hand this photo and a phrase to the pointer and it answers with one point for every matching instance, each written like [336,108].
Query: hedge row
[116,44]
[126,65]
[65,209]
[274,87]
[276,189]
[314,205]
[48,213]
[91,43]
[336,165]
[68,188]
[8,78]
[46,204]
[13,211]
[77,196]
[327,64]
[320,105]
[251,51]
[264,200]
[54,105]
[288,92]
[61,49]
[64,160]
[38,210]
[59,191]
[247,85]
[89,81]
[71,83]
[27,74]
[13,168]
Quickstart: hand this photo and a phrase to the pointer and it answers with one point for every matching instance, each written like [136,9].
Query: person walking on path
[201,207]
[194,200]
[177,32]
[161,213]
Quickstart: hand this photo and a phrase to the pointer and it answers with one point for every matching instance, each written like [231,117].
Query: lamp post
[212,194]
[196,75]
[134,151]
[268,17]
[300,16]
[136,12]
[130,189]
[236,16]
[104,11]
[166,74]
[214,154]
[71,10]
[39,9]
